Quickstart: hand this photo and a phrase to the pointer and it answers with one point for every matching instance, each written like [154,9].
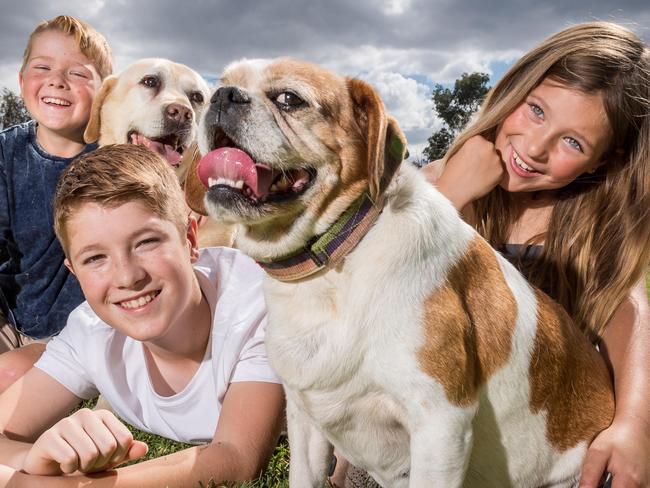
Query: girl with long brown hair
[555,172]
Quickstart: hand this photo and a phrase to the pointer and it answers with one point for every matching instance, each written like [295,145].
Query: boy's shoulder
[230,277]
[228,262]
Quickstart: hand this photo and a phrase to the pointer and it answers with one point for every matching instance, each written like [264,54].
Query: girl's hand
[86,441]
[623,449]
[471,173]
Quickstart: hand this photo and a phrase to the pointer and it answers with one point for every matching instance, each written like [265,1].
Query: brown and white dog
[156,103]
[402,337]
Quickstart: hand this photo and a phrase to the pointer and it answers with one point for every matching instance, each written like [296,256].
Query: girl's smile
[554,136]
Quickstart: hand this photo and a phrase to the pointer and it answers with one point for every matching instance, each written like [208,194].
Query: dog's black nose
[230,94]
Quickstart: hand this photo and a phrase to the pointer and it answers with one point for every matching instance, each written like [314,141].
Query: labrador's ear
[194,189]
[93,129]
[386,144]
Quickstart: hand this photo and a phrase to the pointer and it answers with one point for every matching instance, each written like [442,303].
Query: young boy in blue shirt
[173,338]
[63,66]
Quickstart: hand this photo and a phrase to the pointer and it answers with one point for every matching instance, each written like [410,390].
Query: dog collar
[329,248]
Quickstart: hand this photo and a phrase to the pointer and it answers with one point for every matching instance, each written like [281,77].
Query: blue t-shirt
[38,292]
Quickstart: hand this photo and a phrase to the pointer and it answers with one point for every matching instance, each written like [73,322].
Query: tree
[12,109]
[455,107]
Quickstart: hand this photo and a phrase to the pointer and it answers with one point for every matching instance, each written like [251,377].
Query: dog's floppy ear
[194,189]
[91,134]
[385,140]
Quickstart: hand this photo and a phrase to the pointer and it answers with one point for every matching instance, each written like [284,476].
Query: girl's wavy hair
[597,245]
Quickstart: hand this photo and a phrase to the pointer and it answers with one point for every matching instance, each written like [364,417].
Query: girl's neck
[534,214]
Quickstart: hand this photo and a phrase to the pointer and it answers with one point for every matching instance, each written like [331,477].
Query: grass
[276,474]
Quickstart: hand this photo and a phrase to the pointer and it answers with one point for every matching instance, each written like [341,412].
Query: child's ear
[68,265]
[192,238]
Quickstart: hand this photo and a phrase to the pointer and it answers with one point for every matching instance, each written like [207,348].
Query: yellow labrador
[156,103]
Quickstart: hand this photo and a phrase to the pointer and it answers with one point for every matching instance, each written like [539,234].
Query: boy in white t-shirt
[176,349]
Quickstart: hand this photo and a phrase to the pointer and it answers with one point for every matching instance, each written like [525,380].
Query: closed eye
[95,258]
[147,242]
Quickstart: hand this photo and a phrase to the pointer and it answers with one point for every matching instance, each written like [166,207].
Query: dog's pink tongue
[235,165]
[165,150]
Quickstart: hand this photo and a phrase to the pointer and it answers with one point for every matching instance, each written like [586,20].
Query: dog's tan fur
[483,340]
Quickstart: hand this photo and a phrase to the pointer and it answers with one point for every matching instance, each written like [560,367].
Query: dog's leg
[310,450]
[441,442]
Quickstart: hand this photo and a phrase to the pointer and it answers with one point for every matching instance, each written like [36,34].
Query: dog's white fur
[348,341]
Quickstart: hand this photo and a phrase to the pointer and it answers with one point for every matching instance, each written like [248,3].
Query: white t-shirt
[89,357]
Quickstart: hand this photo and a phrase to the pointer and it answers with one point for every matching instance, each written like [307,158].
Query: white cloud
[409,101]
[395,7]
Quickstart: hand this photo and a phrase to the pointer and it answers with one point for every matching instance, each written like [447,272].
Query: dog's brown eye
[196,97]
[288,100]
[150,81]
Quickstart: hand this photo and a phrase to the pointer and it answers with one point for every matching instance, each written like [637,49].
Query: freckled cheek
[567,169]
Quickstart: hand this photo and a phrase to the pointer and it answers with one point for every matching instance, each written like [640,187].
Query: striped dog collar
[330,247]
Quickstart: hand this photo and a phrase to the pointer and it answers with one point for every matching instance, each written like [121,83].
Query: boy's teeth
[138,302]
[520,163]
[56,101]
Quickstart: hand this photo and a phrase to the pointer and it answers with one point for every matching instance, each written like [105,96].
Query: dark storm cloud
[384,41]
[208,34]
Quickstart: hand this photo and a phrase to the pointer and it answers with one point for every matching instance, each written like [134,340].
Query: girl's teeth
[521,164]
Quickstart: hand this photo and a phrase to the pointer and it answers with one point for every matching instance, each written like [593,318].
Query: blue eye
[573,143]
[536,110]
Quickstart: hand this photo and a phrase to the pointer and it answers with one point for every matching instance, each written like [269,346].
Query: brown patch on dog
[469,321]
[568,379]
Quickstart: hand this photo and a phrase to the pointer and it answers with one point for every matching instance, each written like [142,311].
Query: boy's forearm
[186,468]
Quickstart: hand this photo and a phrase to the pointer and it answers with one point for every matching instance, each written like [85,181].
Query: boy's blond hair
[114,175]
[91,43]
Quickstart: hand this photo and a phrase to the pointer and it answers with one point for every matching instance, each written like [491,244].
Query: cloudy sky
[402,47]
